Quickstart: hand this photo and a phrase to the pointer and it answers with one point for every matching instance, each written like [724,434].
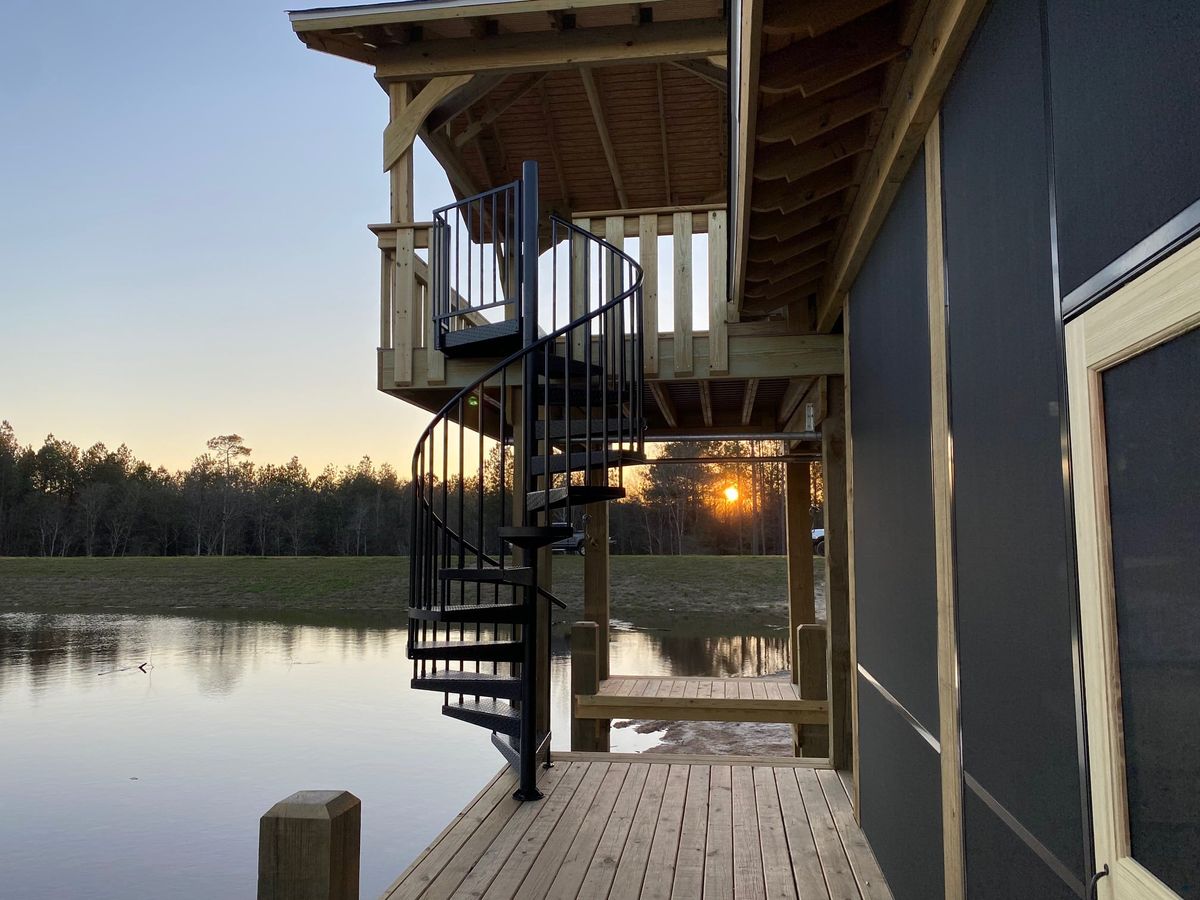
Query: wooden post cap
[308,847]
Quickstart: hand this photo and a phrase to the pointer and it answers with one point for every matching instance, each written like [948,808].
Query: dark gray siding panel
[900,791]
[1125,89]
[1014,570]
[895,589]
[1001,867]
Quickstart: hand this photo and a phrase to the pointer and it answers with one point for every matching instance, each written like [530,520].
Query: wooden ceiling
[827,72]
[627,129]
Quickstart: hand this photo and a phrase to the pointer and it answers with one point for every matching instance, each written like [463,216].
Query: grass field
[645,589]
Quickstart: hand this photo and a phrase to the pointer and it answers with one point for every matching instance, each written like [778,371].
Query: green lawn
[645,589]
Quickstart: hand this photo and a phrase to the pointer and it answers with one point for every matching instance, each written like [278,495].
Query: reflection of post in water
[688,655]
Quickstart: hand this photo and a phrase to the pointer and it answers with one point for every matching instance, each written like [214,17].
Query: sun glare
[731,494]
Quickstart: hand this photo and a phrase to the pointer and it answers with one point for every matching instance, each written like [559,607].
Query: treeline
[61,500]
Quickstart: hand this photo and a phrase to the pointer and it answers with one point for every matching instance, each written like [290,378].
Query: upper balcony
[627,109]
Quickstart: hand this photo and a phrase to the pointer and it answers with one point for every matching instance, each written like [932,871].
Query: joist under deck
[624,829]
[676,699]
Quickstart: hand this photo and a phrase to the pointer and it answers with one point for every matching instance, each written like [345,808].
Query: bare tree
[227,448]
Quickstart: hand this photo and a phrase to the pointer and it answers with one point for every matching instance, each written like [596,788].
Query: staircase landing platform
[675,699]
[626,829]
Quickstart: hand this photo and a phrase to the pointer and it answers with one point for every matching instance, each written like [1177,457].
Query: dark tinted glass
[1152,424]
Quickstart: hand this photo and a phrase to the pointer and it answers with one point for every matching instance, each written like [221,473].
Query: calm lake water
[139,785]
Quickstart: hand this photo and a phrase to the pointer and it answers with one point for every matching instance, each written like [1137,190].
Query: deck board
[655,830]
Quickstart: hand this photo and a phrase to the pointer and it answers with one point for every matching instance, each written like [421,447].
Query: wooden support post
[587,735]
[597,574]
[802,608]
[308,847]
[682,235]
[837,590]
[811,653]
[953,862]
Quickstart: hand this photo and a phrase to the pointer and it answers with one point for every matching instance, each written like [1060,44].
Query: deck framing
[679,699]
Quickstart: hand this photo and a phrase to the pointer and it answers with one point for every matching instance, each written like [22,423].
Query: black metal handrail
[496,456]
[475,253]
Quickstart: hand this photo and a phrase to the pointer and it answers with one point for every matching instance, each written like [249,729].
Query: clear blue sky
[184,193]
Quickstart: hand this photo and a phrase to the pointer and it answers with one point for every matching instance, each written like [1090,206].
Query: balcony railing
[407,326]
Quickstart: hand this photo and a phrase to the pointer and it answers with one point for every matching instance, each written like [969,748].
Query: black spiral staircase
[502,471]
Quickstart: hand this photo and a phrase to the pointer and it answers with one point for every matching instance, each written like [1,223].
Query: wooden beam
[536,51]
[802,262]
[706,403]
[702,709]
[852,612]
[610,153]
[749,54]
[706,71]
[772,251]
[943,524]
[796,284]
[402,130]
[662,129]
[394,14]
[786,160]
[809,67]
[748,399]
[784,227]
[941,39]
[459,101]
[788,294]
[789,196]
[814,17]
[496,112]
[800,123]
[665,405]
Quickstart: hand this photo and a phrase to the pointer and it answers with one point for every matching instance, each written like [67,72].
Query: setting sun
[731,494]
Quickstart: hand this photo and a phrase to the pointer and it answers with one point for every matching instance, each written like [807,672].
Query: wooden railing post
[403,317]
[811,740]
[648,259]
[718,293]
[308,847]
[587,735]
[682,235]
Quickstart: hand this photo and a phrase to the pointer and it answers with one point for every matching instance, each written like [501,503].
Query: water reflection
[151,744]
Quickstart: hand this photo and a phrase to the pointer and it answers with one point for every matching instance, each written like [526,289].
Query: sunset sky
[184,194]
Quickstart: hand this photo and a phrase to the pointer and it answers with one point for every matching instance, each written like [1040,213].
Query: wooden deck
[625,829]
[701,700]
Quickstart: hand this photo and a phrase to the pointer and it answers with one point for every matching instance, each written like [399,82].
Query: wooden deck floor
[701,699]
[625,829]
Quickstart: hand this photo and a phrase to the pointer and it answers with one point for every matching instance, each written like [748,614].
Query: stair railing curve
[537,435]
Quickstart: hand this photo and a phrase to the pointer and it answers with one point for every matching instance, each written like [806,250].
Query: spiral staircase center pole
[528,789]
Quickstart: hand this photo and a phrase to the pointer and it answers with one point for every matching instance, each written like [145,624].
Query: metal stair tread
[489,574]
[482,684]
[470,612]
[582,460]
[573,495]
[484,651]
[492,714]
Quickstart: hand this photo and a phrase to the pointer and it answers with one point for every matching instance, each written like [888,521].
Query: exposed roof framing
[844,92]
[623,103]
